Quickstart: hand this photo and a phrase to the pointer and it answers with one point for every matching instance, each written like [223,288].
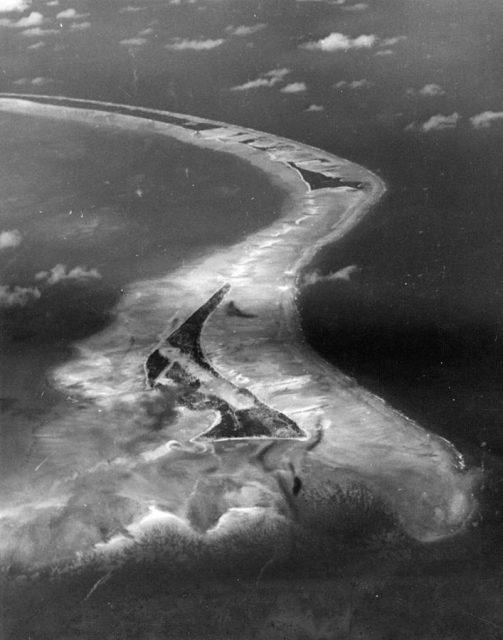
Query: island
[247,361]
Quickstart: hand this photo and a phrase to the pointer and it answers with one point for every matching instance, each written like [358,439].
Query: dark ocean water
[421,321]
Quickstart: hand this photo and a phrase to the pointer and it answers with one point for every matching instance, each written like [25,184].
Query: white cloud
[354,84]
[33,20]
[439,122]
[41,81]
[431,90]
[182,44]
[359,6]
[341,42]
[35,32]
[59,273]
[278,74]
[346,273]
[17,296]
[244,30]
[385,52]
[267,79]
[133,42]
[10,239]
[146,32]
[53,3]
[37,45]
[315,108]
[6,6]
[258,83]
[37,82]
[80,26]
[66,14]
[389,42]
[294,87]
[485,119]
[130,9]
[70,14]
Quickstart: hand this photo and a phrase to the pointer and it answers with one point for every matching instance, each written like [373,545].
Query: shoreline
[419,474]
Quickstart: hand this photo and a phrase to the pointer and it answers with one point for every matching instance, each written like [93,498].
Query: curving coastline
[419,474]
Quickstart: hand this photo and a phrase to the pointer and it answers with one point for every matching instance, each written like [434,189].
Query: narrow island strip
[253,339]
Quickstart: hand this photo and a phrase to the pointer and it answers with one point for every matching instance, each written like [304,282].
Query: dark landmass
[233,310]
[255,420]
[318,180]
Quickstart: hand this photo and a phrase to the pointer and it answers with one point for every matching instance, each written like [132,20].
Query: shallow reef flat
[252,339]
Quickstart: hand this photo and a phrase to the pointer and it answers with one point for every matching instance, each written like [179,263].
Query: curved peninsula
[252,339]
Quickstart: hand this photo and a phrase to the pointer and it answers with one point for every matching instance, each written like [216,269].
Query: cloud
[35,32]
[341,42]
[430,90]
[439,122]
[267,79]
[278,74]
[146,32]
[130,9]
[80,26]
[486,119]
[33,20]
[70,14]
[37,45]
[59,274]
[36,82]
[258,83]
[315,108]
[294,87]
[17,296]
[10,239]
[385,52]
[359,6]
[354,84]
[389,42]
[244,30]
[41,81]
[133,42]
[182,44]
[345,274]
[6,6]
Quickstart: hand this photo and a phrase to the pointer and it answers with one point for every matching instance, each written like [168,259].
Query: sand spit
[419,474]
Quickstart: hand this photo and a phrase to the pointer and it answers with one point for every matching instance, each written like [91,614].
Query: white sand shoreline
[416,472]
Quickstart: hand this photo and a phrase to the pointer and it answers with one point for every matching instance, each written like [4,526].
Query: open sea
[420,320]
